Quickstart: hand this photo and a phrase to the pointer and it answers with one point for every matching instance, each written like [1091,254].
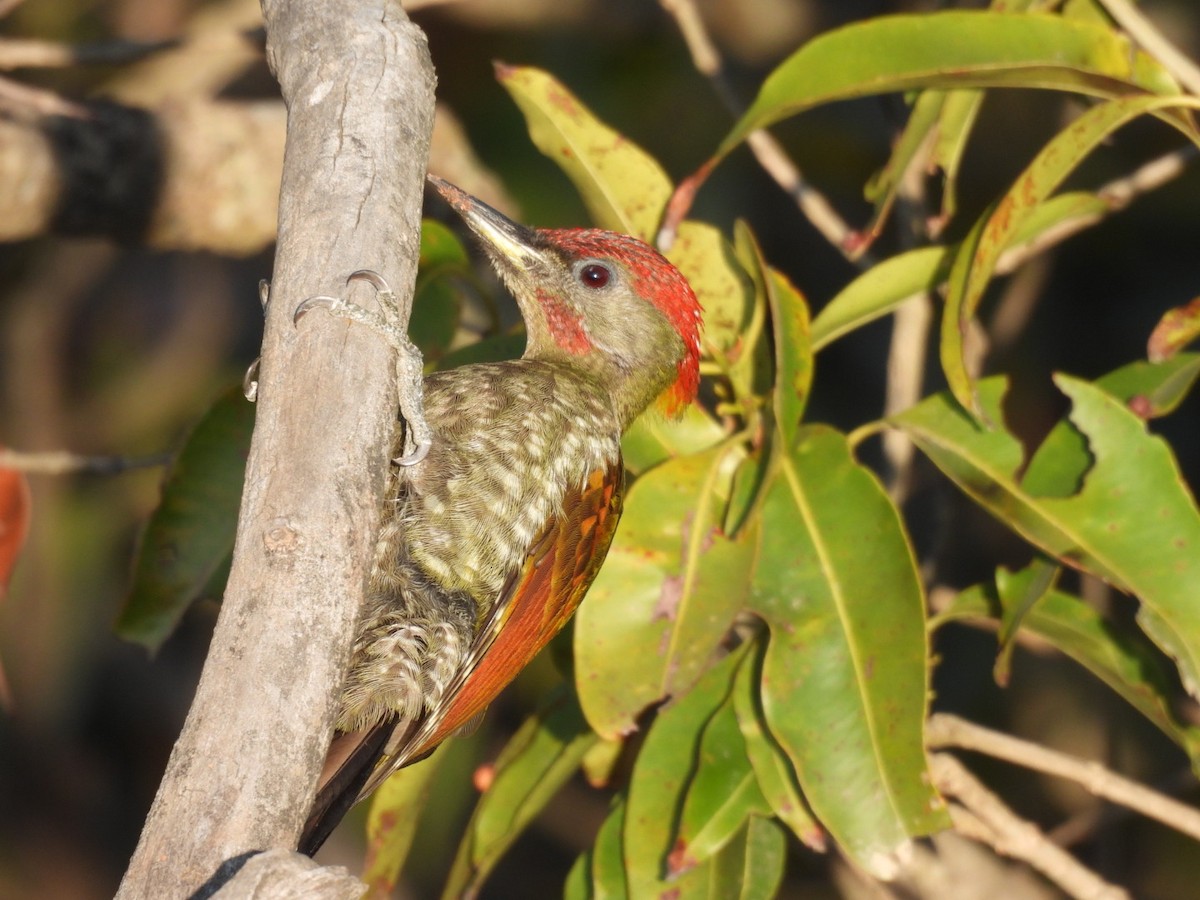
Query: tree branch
[358,84]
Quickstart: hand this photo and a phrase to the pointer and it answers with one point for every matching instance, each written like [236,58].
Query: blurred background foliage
[117,349]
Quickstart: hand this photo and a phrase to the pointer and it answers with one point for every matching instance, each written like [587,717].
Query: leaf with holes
[1132,521]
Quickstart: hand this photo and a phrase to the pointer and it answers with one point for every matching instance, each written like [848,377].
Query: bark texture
[358,84]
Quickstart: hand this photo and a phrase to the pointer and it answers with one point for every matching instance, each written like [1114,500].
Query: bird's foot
[250,379]
[409,363]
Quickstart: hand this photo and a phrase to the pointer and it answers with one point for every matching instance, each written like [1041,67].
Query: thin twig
[1117,195]
[950,731]
[63,462]
[1143,32]
[28,103]
[18,53]
[770,155]
[982,816]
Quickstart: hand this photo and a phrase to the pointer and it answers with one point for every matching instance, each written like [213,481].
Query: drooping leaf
[1175,330]
[952,49]
[669,589]
[625,190]
[751,866]
[845,675]
[996,229]
[1123,659]
[542,755]
[659,782]
[190,534]
[392,823]
[883,287]
[721,794]
[772,768]
[1132,522]
[653,439]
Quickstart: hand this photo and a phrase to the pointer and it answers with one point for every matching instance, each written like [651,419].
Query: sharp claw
[318,302]
[250,381]
[264,293]
[371,277]
[416,456]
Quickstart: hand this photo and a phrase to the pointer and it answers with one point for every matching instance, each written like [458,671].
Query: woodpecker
[489,542]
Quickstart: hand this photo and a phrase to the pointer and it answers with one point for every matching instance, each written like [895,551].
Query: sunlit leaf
[977,257]
[1133,521]
[883,287]
[392,823]
[653,439]
[626,190]
[751,866]
[190,535]
[669,589]
[659,781]
[542,755]
[952,49]
[1174,331]
[721,794]
[1123,659]
[845,675]
[772,768]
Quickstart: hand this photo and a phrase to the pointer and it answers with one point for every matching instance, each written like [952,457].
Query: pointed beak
[514,246]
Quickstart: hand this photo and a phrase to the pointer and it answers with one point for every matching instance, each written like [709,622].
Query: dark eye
[594,275]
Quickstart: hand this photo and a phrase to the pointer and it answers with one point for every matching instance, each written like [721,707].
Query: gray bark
[358,84]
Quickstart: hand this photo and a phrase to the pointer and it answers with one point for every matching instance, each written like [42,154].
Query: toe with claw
[409,363]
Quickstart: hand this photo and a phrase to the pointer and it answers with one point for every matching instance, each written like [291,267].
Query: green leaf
[623,187]
[626,190]
[1059,465]
[879,291]
[772,768]
[579,880]
[793,346]
[844,680]
[1177,328]
[608,858]
[392,823]
[1037,579]
[996,229]
[659,781]
[668,591]
[544,753]
[437,302]
[190,535]
[653,438]
[1124,660]
[1132,523]
[721,794]
[751,866]
[954,49]
[1153,389]
[883,287]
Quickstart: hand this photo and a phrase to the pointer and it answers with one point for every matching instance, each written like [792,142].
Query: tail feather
[352,758]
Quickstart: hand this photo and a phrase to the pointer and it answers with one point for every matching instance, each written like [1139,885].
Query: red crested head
[656,280]
[600,299]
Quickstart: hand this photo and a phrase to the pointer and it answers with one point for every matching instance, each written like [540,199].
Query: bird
[492,533]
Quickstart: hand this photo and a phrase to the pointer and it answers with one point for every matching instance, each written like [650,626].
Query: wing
[533,606]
